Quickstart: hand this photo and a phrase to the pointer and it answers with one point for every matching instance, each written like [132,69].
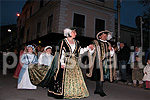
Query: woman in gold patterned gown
[63,77]
[68,81]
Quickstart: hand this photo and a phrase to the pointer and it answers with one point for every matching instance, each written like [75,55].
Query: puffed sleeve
[83,50]
[40,59]
[36,60]
[24,59]
[60,50]
[62,58]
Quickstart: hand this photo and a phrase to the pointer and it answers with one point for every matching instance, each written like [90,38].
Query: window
[41,3]
[99,25]
[38,29]
[79,22]
[49,24]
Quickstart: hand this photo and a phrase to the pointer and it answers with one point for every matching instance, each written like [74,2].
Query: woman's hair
[42,49]
[25,48]
[34,51]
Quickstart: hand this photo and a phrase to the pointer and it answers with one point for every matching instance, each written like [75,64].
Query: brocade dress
[68,82]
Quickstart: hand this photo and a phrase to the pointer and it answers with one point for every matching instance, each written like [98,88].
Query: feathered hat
[67,31]
[109,34]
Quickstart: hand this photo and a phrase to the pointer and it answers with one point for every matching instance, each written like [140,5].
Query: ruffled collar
[103,40]
[48,54]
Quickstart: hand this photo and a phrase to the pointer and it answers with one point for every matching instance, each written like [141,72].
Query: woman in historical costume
[147,74]
[68,81]
[19,66]
[63,77]
[46,58]
[27,60]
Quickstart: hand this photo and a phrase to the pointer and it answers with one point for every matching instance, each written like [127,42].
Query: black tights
[99,86]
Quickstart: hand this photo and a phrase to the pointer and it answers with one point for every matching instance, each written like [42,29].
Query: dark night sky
[129,10]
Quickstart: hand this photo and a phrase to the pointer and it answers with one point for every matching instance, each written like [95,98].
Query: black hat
[73,28]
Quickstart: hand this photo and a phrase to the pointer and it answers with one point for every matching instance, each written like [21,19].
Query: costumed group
[61,72]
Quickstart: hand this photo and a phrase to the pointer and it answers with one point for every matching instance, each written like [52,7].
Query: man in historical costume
[102,62]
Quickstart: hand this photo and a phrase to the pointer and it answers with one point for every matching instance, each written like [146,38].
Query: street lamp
[10,38]
[9,30]
[18,14]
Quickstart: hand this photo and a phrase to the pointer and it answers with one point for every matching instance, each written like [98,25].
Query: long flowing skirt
[16,74]
[19,66]
[74,84]
[24,81]
[69,84]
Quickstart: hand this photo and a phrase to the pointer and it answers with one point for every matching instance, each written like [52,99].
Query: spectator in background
[115,48]
[123,56]
[35,51]
[147,55]
[42,49]
[147,74]
[137,72]
[135,53]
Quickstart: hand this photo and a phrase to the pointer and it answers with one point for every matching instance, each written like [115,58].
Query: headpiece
[109,35]
[47,47]
[31,47]
[67,31]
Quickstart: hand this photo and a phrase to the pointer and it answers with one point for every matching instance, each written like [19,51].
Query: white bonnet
[47,47]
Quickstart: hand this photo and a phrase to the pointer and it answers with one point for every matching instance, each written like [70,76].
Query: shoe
[147,88]
[96,92]
[124,80]
[134,85]
[102,94]
[140,86]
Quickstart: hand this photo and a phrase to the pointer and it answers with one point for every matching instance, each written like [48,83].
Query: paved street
[114,91]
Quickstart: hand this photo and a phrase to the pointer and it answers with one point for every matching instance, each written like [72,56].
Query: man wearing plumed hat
[102,61]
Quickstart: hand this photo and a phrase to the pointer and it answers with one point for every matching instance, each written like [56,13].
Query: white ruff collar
[103,40]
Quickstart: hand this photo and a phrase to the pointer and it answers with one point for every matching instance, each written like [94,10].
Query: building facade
[8,37]
[128,35]
[49,17]
[44,21]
